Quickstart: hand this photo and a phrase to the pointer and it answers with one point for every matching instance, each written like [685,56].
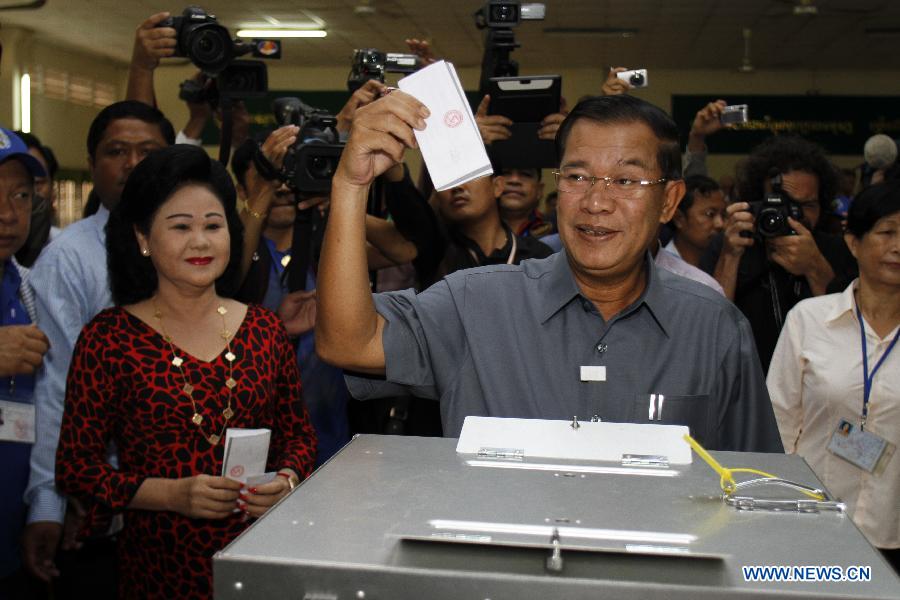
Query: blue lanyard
[869,377]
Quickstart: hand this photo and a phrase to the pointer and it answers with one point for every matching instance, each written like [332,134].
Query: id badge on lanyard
[852,443]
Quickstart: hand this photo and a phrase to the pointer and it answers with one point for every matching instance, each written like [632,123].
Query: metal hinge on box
[502,453]
[645,460]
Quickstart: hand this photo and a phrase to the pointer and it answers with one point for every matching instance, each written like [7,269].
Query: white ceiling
[672,33]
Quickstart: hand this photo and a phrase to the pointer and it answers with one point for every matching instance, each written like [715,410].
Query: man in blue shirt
[22,347]
[71,286]
[595,331]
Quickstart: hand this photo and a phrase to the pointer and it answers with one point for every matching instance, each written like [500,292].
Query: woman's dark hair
[779,155]
[628,109]
[132,277]
[871,205]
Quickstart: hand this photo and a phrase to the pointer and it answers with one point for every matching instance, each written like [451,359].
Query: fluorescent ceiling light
[282,33]
[25,103]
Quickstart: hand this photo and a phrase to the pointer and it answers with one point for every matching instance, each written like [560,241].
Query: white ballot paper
[539,438]
[245,453]
[451,144]
[16,422]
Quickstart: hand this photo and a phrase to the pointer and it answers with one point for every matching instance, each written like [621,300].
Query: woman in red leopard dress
[166,372]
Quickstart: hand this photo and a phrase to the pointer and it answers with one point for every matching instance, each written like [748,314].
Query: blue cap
[12,146]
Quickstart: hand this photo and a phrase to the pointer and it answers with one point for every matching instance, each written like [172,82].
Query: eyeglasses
[619,187]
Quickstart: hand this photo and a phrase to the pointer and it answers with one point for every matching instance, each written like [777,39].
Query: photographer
[766,275]
[275,205]
[269,217]
[153,42]
[706,122]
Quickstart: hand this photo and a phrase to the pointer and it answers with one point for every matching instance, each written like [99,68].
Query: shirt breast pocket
[661,409]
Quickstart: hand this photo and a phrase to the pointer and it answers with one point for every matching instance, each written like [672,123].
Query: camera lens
[504,13]
[321,167]
[210,48]
[637,79]
[771,223]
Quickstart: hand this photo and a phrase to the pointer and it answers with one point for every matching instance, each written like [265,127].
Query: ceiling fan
[371,8]
[834,8]
[21,5]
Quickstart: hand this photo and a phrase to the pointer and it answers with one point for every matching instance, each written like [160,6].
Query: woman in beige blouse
[835,375]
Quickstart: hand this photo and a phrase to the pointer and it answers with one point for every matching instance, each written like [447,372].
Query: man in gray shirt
[596,331]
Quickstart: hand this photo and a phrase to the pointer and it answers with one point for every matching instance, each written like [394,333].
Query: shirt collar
[9,287]
[497,255]
[559,288]
[101,218]
[844,303]
[11,274]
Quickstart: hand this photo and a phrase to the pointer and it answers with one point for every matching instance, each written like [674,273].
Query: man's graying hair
[628,109]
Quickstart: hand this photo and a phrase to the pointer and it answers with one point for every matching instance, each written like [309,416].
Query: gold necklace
[188,389]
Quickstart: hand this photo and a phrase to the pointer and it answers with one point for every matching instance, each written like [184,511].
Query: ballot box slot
[561,558]
[558,533]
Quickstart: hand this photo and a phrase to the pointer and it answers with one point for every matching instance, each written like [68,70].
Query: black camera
[241,79]
[202,40]
[771,214]
[499,14]
[312,161]
[369,63]
[499,17]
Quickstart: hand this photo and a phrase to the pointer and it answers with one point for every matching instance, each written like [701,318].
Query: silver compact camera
[734,114]
[636,77]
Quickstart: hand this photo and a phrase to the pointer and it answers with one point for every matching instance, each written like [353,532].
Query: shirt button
[601,347]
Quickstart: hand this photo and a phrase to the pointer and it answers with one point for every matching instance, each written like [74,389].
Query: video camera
[312,161]
[771,214]
[241,79]
[499,17]
[369,63]
[209,45]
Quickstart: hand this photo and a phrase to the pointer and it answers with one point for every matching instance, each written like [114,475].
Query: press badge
[860,448]
[16,422]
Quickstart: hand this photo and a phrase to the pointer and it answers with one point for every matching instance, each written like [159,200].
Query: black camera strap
[264,166]
[301,249]
[225,103]
[776,301]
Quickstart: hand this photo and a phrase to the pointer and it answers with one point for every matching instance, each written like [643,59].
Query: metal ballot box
[409,518]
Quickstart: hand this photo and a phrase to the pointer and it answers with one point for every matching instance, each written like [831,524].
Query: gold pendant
[213,439]
[227,413]
[197,418]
